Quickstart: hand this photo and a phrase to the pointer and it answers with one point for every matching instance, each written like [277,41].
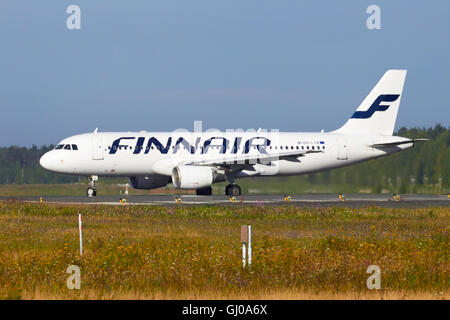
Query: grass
[257,185]
[194,252]
[78,189]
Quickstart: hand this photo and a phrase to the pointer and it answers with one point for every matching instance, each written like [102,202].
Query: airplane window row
[74,147]
[66,147]
[153,147]
[298,148]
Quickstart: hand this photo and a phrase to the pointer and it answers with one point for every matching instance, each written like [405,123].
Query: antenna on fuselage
[96,130]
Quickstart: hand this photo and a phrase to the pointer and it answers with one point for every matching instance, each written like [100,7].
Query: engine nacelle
[149,182]
[192,177]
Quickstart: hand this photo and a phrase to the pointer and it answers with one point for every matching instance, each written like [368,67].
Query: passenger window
[67,147]
[74,147]
[292,147]
[312,147]
[297,147]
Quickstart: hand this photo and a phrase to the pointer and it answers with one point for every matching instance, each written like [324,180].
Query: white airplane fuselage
[196,160]
[96,156]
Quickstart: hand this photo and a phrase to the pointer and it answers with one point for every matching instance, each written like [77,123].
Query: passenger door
[97,147]
[343,148]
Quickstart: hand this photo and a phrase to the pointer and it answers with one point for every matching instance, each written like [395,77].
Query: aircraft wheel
[233,190]
[91,192]
[204,191]
[227,190]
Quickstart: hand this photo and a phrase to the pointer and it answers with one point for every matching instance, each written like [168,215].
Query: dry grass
[141,252]
[281,294]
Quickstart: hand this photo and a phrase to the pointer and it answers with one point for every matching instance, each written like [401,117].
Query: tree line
[20,165]
[424,168]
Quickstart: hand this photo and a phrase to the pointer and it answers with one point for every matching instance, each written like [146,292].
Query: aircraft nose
[47,161]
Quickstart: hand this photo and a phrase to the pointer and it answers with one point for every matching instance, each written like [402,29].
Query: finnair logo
[258,143]
[376,106]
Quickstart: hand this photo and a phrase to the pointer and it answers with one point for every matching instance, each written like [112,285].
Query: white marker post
[81,234]
[244,239]
[249,249]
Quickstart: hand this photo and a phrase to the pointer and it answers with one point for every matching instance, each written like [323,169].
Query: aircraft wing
[252,159]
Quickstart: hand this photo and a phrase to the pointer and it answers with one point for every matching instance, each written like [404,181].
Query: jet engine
[149,182]
[192,177]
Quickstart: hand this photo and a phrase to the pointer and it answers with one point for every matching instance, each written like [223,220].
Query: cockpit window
[66,147]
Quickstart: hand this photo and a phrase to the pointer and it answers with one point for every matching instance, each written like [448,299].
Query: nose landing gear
[91,191]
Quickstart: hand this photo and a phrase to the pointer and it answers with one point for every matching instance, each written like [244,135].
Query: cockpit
[66,147]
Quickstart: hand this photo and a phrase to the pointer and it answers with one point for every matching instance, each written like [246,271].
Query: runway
[303,200]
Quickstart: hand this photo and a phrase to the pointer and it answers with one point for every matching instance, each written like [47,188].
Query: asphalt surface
[304,200]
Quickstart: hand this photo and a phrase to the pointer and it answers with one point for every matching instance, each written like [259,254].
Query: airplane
[196,160]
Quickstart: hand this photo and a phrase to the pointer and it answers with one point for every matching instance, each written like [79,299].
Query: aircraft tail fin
[378,112]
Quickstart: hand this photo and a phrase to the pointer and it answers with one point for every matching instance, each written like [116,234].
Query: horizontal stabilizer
[392,144]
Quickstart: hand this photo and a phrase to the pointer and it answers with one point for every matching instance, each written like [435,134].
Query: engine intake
[192,177]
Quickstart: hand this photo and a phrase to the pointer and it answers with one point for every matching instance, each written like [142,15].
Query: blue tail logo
[376,106]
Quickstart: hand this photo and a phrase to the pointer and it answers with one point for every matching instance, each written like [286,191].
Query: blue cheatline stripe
[376,106]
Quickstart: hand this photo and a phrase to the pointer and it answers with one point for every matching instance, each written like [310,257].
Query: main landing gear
[91,191]
[230,190]
[233,190]
[207,191]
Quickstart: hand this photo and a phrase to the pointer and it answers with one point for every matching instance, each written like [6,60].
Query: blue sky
[160,65]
